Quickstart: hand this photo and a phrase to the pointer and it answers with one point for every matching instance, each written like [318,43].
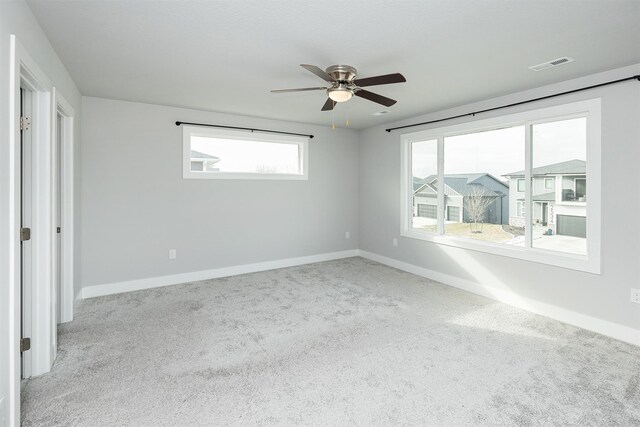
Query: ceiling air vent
[553,63]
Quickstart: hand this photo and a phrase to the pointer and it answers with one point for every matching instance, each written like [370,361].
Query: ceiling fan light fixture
[340,93]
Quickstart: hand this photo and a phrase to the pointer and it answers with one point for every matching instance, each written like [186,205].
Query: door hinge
[25,344]
[25,234]
[25,122]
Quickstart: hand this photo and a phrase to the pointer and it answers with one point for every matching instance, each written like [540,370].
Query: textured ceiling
[226,55]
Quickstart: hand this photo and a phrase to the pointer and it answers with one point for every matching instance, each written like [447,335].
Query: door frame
[67,299]
[24,71]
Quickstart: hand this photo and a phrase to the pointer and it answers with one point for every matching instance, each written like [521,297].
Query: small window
[548,183]
[581,189]
[521,186]
[231,154]
[520,209]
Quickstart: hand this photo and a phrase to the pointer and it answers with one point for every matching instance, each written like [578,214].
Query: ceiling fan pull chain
[333,119]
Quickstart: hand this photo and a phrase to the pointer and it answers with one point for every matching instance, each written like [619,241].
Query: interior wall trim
[590,323]
[175,279]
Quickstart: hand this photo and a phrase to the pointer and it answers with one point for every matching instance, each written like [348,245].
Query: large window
[231,154]
[514,185]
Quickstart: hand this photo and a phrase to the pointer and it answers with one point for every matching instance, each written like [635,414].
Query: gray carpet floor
[347,342]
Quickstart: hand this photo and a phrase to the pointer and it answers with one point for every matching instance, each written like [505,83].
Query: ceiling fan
[344,85]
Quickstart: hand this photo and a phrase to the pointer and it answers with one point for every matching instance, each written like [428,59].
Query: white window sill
[239,175]
[542,256]
[571,203]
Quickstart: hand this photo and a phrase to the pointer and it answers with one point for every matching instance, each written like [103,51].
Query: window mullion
[440,196]
[528,203]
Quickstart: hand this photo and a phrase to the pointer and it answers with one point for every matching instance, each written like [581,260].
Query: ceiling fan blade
[302,89]
[328,106]
[317,71]
[387,102]
[380,80]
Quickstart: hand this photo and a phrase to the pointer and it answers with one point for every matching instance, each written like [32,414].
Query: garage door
[427,211]
[575,226]
[453,213]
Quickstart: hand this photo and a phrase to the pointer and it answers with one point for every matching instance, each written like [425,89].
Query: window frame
[549,180]
[190,131]
[591,109]
[518,181]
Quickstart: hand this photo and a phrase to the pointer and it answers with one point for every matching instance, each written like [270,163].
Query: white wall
[16,18]
[136,205]
[604,296]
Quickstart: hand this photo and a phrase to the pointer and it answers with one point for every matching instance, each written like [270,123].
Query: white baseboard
[604,327]
[174,279]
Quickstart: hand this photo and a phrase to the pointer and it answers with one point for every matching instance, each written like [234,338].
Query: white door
[25,228]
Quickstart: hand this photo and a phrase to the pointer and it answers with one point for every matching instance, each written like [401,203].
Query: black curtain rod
[636,77]
[239,128]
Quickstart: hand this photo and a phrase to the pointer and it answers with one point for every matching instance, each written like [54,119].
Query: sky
[249,156]
[502,151]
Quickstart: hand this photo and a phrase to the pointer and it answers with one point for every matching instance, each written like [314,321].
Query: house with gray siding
[559,196]
[458,187]
[203,162]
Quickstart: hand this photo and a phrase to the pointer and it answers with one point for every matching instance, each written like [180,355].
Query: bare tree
[264,168]
[476,203]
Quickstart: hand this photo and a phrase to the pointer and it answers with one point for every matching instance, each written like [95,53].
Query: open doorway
[34,137]
[63,168]
[39,264]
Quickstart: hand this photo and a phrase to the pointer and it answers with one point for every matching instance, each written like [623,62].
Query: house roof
[198,155]
[465,184]
[546,197]
[570,167]
[418,182]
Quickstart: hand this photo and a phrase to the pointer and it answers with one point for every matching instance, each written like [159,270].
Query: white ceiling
[226,55]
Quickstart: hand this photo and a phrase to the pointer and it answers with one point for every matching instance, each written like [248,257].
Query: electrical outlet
[395,242]
[635,295]
[347,235]
[173,254]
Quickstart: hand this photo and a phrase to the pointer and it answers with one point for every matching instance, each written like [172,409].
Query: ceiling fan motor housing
[342,73]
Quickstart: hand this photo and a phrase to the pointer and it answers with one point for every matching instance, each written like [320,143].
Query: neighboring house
[203,162]
[457,187]
[559,197]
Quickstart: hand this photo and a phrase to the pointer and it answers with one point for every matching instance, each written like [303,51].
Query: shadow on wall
[497,280]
